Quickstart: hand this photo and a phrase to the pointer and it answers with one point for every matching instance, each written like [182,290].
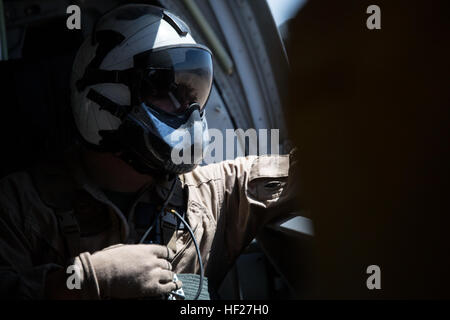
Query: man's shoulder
[240,169]
[35,188]
[18,197]
[23,214]
[16,186]
[201,174]
[217,173]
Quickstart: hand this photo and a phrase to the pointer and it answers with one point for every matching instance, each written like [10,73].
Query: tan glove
[126,272]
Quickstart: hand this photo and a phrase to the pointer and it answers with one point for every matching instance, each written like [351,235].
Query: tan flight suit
[227,203]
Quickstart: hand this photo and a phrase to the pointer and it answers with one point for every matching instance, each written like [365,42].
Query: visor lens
[175,78]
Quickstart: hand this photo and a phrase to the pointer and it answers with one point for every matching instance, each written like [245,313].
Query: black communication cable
[172,189]
[197,249]
[200,285]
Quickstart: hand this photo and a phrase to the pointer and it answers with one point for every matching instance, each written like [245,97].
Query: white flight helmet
[139,86]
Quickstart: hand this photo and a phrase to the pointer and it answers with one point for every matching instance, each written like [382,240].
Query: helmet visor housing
[175,78]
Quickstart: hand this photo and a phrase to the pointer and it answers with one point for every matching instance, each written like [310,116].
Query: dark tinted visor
[175,77]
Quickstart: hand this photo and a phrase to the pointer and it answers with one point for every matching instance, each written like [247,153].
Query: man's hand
[128,271]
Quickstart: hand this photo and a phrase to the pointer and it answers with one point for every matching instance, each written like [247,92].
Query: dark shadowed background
[369,111]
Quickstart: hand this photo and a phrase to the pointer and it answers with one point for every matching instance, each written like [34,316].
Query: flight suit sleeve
[19,277]
[255,191]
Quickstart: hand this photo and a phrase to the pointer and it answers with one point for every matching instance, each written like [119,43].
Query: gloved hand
[126,272]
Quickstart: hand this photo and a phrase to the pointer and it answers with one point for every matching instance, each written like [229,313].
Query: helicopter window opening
[283,11]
